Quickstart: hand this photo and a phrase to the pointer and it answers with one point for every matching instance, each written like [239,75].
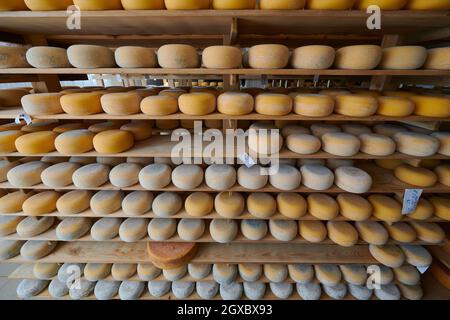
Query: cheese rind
[312,231]
[383,4]
[155,176]
[358,57]
[178,56]
[39,104]
[388,255]
[143,4]
[340,144]
[12,202]
[187,176]
[403,58]
[428,5]
[141,130]
[113,141]
[74,202]
[385,208]
[317,177]
[82,103]
[395,106]
[444,139]
[329,4]
[121,103]
[160,105]
[428,231]
[73,228]
[75,142]
[416,144]
[431,106]
[235,103]
[199,204]
[313,105]
[162,229]
[322,206]
[13,5]
[135,57]
[268,56]
[416,176]
[261,205]
[359,106]
[125,175]
[354,207]
[36,142]
[291,205]
[98,4]
[372,232]
[59,175]
[48,5]
[283,230]
[90,56]
[137,203]
[106,202]
[47,57]
[229,204]
[41,203]
[133,229]
[223,231]
[233,5]
[222,57]
[377,144]
[220,176]
[8,140]
[13,57]
[342,233]
[27,174]
[35,249]
[312,57]
[90,176]
[187,5]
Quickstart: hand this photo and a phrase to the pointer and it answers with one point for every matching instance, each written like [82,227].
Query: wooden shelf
[442,254]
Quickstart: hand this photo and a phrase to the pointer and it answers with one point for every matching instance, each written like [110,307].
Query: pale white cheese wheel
[133,229]
[377,144]
[191,229]
[444,139]
[178,56]
[167,204]
[264,140]
[313,57]
[416,144]
[268,56]
[254,229]
[106,201]
[283,230]
[155,176]
[91,176]
[137,203]
[73,228]
[90,56]
[43,57]
[303,143]
[106,229]
[38,104]
[125,175]
[319,129]
[135,57]
[162,229]
[340,144]
[59,175]
[286,178]
[27,174]
[223,231]
[187,176]
[222,57]
[220,176]
[251,178]
[317,177]
[352,179]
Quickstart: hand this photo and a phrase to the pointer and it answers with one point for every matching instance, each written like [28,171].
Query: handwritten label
[247,160]
[21,117]
[410,200]
[422,270]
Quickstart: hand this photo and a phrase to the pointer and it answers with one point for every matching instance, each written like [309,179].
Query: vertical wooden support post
[231,82]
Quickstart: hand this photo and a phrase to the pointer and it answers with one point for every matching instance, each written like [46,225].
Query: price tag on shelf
[21,117]
[247,160]
[410,200]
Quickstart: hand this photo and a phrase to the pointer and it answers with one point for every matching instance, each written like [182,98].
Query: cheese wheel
[27,174]
[407,274]
[8,225]
[264,140]
[354,274]
[167,204]
[388,129]
[401,232]
[162,229]
[74,202]
[428,232]
[358,57]
[444,139]
[372,232]
[254,229]
[359,106]
[328,274]
[8,140]
[438,59]
[286,178]
[199,271]
[222,57]
[385,208]
[313,57]
[13,57]
[160,105]
[98,4]
[45,271]
[137,203]
[90,176]
[96,271]
[197,103]
[250,272]
[383,4]
[291,205]
[174,93]
[268,56]
[220,176]
[352,179]
[223,231]
[424,210]
[261,205]
[177,56]
[105,229]
[224,273]
[395,106]
[319,129]
[416,144]
[411,292]
[9,249]
[13,5]
[340,144]
[143,4]
[199,204]
[106,202]
[283,230]
[190,229]
[59,175]
[329,4]
[273,104]
[133,229]
[333,164]
[251,178]
[73,228]
[48,5]
[36,142]
[417,256]
[233,4]
[312,231]
[85,56]
[42,104]
[155,176]
[186,5]
[301,273]
[105,126]
[342,233]
[187,176]
[416,176]
[125,175]
[47,57]
[403,58]
[175,274]
[229,204]
[147,271]
[276,273]
[441,207]
[75,142]
[70,127]
[121,103]
[35,249]
[235,103]
[354,207]
[428,5]
[431,106]
[123,271]
[388,255]
[135,57]
[81,104]
[313,105]
[113,141]
[12,202]
[316,177]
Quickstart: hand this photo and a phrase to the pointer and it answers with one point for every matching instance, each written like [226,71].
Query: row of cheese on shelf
[54,5]
[200,103]
[341,233]
[264,56]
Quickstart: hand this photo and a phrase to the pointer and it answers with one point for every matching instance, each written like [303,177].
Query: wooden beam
[426,36]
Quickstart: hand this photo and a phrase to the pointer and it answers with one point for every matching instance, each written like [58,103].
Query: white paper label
[422,270]
[21,117]
[410,200]
[247,160]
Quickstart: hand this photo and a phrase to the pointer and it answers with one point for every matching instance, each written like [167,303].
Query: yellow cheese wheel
[389,164]
[273,104]
[229,204]
[8,140]
[235,103]
[106,202]
[312,57]
[141,130]
[354,207]
[12,202]
[233,4]
[407,274]
[431,106]
[75,142]
[8,224]
[48,5]
[82,104]
[372,232]
[13,57]
[388,255]
[96,271]
[197,103]
[322,206]
[41,203]
[74,202]
[268,56]
[416,144]
[12,126]
[385,208]
[121,103]
[42,104]
[355,274]
[45,271]
[275,273]
[356,105]
[401,232]
[143,4]
[329,4]
[395,106]
[313,105]
[36,142]
[178,56]
[403,58]
[312,231]
[222,57]
[123,271]
[444,139]
[261,205]
[438,59]
[59,175]
[27,174]
[113,141]
[416,176]
[377,144]
[12,97]
[36,249]
[383,4]
[428,5]
[47,57]
[98,4]
[428,231]
[342,233]
[441,207]
[135,57]
[328,274]
[186,4]
[90,56]
[199,204]
[160,105]
[291,205]
[359,57]
[281,4]
[13,5]
[424,210]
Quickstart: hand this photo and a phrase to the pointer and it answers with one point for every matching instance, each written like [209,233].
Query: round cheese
[135,57]
[444,139]
[438,59]
[372,232]
[356,105]
[401,232]
[105,229]
[8,224]
[123,271]
[160,105]
[5,166]
[416,144]
[313,57]
[319,129]
[251,178]
[90,56]
[385,208]
[45,271]
[47,57]
[125,175]
[133,229]
[223,231]
[35,249]
[91,176]
[428,232]
[175,274]
[121,103]
[254,229]
[301,273]
[407,274]
[328,274]
[291,205]
[352,179]
[74,202]
[73,228]
[178,56]
[273,104]
[113,141]
[250,272]
[383,4]
[222,57]
[220,176]
[428,5]
[268,56]
[235,103]
[96,271]
[199,204]
[286,178]
[441,207]
[197,103]
[261,205]
[312,231]
[106,202]
[416,176]
[40,125]
[229,204]
[143,5]
[354,207]
[59,175]
[70,127]
[167,204]
[12,202]
[388,255]
[82,103]
[36,142]
[155,176]
[431,106]
[42,104]
[187,4]
[316,177]
[8,140]
[199,271]
[98,4]
[358,57]
[191,229]
[424,210]
[313,105]
[13,57]
[276,273]
[233,4]
[9,249]
[354,274]
[403,58]
[417,256]
[322,206]
[29,288]
[395,106]
[342,233]
[283,230]
[224,273]
[137,203]
[147,271]
[162,229]
[74,142]
[411,292]
[340,144]
[27,174]
[264,140]
[41,203]
[187,176]
[329,4]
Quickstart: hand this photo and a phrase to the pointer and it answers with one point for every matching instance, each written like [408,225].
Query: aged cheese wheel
[105,229]
[175,274]
[328,274]
[385,208]
[74,202]
[438,59]
[283,230]
[167,204]
[286,178]
[358,57]
[264,140]
[352,179]
[254,290]
[342,233]
[27,174]
[416,144]
[75,142]
[273,104]
[12,202]
[9,249]
[424,210]
[417,256]
[48,57]
[233,5]
[356,105]
[125,175]
[98,4]
[137,203]
[383,4]
[143,4]
[121,103]
[91,176]
[411,292]
[319,129]
[171,255]
[441,207]
[73,228]
[187,176]
[268,56]
[235,103]
[178,56]
[199,271]
[160,105]
[428,5]
[135,57]
[254,229]
[187,5]
[354,207]
[197,103]
[444,139]
[123,271]
[313,105]
[133,229]
[388,255]
[322,206]
[276,272]
[96,271]
[431,106]
[407,274]
[13,57]
[403,58]
[199,204]
[312,231]
[401,232]
[36,142]
[220,177]
[377,144]
[8,225]
[147,271]
[155,176]
[161,229]
[113,141]
[372,232]
[416,176]
[191,229]
[106,201]
[90,56]
[82,103]
[82,291]
[29,288]
[59,175]
[395,106]
[301,273]
[41,203]
[329,4]
[222,57]
[8,140]
[35,249]
[250,272]
[428,231]
[251,178]
[291,205]
[38,104]
[261,205]
[224,273]
[223,231]
[340,144]
[229,204]
[45,271]
[354,274]
[313,57]
[317,177]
